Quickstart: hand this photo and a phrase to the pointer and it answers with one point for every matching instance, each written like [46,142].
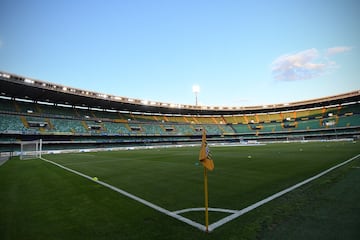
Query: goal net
[295,138]
[31,149]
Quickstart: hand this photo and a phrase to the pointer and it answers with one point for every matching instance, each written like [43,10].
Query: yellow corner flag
[205,156]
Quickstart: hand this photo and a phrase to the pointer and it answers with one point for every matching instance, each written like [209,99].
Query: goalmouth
[31,149]
[295,138]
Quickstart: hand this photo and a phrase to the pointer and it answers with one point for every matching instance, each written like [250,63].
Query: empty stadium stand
[76,118]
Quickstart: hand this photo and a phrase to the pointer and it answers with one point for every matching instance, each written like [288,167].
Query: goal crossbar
[31,149]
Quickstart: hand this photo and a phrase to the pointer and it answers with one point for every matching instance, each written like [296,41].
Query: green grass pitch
[41,201]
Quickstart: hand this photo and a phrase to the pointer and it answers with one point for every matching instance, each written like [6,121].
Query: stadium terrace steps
[29,117]
[6,105]
[347,121]
[274,117]
[10,123]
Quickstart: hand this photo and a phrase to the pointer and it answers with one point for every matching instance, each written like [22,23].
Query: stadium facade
[67,117]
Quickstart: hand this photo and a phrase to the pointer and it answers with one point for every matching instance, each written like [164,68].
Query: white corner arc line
[203,209]
[131,196]
[276,195]
[222,221]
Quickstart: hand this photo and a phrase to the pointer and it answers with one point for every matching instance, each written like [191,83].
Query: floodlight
[196,90]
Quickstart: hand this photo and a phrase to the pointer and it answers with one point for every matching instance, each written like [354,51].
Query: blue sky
[240,53]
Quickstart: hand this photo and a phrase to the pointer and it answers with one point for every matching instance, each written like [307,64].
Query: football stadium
[78,164]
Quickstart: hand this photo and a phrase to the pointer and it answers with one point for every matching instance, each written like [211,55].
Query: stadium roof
[14,86]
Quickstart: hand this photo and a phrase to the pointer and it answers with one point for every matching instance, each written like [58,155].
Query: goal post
[31,149]
[295,138]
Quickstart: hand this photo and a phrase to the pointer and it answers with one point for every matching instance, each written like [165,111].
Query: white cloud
[306,64]
[336,50]
[298,66]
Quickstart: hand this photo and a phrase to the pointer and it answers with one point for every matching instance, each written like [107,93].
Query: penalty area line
[131,196]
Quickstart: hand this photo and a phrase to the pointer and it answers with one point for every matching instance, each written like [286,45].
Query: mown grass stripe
[131,196]
[276,195]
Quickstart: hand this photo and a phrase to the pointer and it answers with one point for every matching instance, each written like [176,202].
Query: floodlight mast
[196,90]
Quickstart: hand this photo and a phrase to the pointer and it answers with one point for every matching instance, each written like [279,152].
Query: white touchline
[276,195]
[129,195]
[235,213]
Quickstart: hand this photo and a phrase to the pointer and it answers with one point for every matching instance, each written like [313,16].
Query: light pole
[196,90]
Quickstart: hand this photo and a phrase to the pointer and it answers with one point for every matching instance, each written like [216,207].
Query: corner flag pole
[207,162]
[206,200]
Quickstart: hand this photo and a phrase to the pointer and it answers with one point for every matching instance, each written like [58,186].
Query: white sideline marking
[149,204]
[2,161]
[276,195]
[235,214]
